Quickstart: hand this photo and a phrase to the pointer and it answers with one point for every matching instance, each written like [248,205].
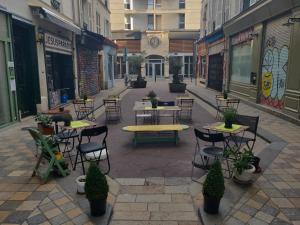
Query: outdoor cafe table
[234,131]
[157,110]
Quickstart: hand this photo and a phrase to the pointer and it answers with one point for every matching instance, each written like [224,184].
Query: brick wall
[88,71]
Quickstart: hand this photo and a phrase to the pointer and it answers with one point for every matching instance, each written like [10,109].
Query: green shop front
[8,97]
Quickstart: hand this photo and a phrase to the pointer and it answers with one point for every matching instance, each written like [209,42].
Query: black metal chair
[90,150]
[112,109]
[186,106]
[248,138]
[66,137]
[209,151]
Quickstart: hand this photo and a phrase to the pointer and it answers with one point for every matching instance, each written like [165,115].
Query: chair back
[209,137]
[42,142]
[166,103]
[92,132]
[186,103]
[110,102]
[250,121]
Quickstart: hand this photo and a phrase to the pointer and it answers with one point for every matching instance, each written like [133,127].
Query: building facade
[159,28]
[263,44]
[212,43]
[40,57]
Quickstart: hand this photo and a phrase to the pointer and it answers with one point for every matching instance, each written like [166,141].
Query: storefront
[8,100]
[59,69]
[275,62]
[241,61]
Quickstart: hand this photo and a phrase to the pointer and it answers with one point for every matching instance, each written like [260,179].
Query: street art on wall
[274,73]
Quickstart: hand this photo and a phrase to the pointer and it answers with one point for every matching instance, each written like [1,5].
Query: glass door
[157,69]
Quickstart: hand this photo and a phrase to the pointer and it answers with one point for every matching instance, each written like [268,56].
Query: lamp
[252,35]
[40,36]
[291,21]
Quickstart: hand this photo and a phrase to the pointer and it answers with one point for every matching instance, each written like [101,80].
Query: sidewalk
[275,197]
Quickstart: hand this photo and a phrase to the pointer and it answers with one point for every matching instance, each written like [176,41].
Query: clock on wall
[154,42]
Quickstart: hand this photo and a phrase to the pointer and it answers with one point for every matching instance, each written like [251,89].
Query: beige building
[160,28]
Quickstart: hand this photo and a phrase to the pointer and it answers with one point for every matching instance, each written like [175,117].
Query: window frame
[181,4]
[181,24]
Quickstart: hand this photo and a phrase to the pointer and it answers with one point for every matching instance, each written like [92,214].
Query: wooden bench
[155,133]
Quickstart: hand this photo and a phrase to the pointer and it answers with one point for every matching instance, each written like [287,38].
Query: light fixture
[291,21]
[253,35]
[40,36]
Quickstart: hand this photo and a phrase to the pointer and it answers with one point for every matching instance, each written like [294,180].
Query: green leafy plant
[214,183]
[43,119]
[242,160]
[229,114]
[96,187]
[175,67]
[151,95]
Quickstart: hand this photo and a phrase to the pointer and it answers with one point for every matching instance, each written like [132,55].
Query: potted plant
[152,97]
[229,117]
[80,181]
[135,62]
[175,67]
[96,189]
[213,188]
[243,168]
[44,124]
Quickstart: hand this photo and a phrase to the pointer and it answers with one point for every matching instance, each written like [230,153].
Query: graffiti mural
[274,73]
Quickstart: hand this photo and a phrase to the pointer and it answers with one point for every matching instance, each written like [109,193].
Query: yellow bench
[144,133]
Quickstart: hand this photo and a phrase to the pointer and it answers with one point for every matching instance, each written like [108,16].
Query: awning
[47,13]
[90,40]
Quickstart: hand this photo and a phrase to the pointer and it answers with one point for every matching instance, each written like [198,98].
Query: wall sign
[55,43]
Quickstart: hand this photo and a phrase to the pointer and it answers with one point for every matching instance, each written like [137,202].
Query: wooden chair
[186,106]
[143,114]
[50,152]
[112,109]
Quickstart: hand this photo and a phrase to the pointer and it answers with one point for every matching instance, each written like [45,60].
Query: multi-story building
[96,53]
[263,55]
[159,28]
[41,57]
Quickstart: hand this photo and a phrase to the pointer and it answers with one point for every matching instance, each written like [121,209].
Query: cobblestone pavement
[275,197]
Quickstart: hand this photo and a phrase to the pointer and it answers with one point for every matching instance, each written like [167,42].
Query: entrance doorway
[215,72]
[25,68]
[154,67]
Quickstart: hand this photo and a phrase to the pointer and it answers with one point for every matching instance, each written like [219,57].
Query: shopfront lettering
[242,37]
[52,41]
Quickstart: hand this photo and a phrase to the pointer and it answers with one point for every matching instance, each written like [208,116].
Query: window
[98,23]
[126,4]
[158,4]
[203,67]
[172,61]
[90,23]
[150,4]
[150,25]
[121,68]
[127,20]
[188,66]
[181,4]
[181,24]
[107,28]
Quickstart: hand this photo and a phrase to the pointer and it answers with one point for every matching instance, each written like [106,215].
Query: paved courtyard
[151,184]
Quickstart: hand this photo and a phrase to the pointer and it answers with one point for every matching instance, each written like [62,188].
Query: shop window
[181,4]
[172,60]
[181,24]
[203,67]
[121,68]
[188,66]
[241,63]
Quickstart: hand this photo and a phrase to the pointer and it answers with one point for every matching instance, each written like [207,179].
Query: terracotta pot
[45,130]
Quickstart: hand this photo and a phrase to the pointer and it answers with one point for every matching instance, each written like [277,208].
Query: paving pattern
[275,197]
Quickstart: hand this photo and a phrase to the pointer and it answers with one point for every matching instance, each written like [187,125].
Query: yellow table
[161,132]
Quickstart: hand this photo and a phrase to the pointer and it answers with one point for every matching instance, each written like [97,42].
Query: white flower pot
[246,176]
[80,184]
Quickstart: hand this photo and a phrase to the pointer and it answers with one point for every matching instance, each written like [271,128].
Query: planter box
[140,84]
[177,88]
